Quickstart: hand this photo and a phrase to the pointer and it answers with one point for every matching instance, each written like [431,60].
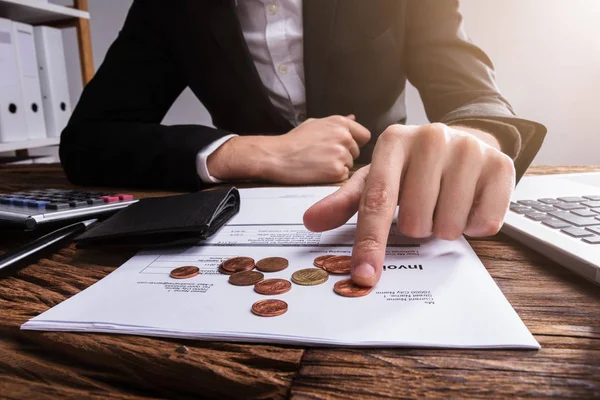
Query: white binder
[30,81]
[53,78]
[13,127]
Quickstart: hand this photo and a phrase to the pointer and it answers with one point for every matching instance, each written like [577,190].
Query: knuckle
[412,227]
[448,231]
[369,244]
[490,226]
[390,134]
[433,135]
[376,199]
[339,171]
[504,164]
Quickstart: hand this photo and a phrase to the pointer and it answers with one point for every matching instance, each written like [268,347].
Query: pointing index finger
[377,207]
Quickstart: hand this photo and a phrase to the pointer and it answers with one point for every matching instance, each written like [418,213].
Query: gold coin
[272,264]
[246,278]
[310,276]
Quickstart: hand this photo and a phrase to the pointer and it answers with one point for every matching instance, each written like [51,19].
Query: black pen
[32,251]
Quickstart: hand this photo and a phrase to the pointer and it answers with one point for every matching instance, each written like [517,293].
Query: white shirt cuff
[202,156]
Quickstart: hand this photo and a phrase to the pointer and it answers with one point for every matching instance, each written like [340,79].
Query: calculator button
[125,197]
[110,199]
[19,201]
[78,203]
[95,202]
[57,206]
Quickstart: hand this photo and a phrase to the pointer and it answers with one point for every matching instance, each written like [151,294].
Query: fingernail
[364,271]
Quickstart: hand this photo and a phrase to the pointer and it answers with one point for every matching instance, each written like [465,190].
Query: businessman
[300,91]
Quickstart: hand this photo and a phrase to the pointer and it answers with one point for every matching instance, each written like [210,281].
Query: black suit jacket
[358,55]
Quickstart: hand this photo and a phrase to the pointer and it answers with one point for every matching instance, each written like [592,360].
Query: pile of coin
[241,273]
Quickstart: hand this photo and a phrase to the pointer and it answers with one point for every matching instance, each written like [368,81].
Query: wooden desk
[561,309]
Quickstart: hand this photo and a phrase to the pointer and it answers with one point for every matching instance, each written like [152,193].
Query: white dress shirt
[274,35]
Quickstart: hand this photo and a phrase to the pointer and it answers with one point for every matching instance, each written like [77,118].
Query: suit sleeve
[114,137]
[456,79]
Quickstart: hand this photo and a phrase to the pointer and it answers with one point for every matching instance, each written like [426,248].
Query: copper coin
[272,264]
[270,287]
[337,265]
[246,278]
[221,270]
[188,271]
[310,276]
[238,264]
[347,288]
[269,308]
[318,262]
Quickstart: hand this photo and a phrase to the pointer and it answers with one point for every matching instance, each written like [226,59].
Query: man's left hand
[447,181]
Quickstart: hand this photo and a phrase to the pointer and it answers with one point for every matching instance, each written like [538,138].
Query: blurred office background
[546,53]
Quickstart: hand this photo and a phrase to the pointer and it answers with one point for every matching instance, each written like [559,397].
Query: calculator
[30,209]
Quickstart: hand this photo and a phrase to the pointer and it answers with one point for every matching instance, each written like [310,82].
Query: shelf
[36,12]
[29,144]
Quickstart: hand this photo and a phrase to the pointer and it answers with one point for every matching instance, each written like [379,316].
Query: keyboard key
[596,210]
[595,229]
[125,197]
[556,224]
[529,203]
[5,200]
[591,204]
[544,208]
[584,213]
[592,240]
[110,199]
[572,199]
[577,232]
[593,197]
[549,201]
[538,217]
[60,206]
[523,210]
[569,206]
[574,219]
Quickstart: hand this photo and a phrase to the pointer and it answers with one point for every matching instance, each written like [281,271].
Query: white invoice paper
[432,293]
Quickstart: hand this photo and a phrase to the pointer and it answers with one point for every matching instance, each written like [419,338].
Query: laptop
[559,217]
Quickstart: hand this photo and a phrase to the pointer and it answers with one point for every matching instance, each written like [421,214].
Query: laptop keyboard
[577,217]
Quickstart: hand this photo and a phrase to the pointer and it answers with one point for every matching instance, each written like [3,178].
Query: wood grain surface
[561,309]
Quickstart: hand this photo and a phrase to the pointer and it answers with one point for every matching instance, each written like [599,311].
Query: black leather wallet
[166,221]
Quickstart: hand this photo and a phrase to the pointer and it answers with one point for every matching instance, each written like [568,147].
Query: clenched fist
[317,151]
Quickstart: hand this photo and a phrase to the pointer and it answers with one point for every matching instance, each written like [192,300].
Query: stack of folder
[34,93]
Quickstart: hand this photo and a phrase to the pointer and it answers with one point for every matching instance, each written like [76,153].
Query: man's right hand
[317,151]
